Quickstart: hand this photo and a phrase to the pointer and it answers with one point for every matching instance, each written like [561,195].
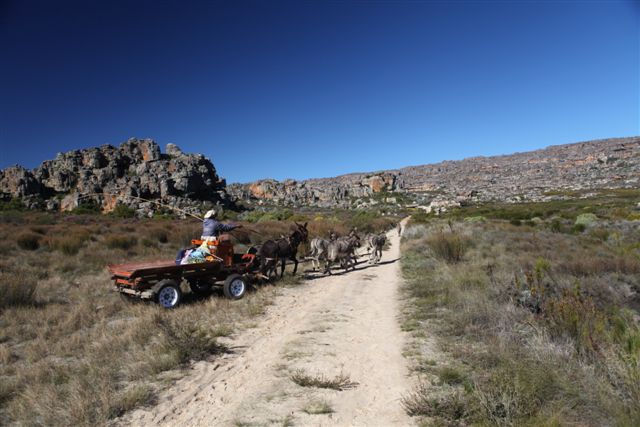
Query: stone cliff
[108,175]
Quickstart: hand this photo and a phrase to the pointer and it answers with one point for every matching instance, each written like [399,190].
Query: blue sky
[312,89]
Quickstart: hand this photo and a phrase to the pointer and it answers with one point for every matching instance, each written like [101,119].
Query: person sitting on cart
[212,228]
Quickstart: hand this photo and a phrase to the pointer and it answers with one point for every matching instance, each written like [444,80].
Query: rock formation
[532,176]
[108,176]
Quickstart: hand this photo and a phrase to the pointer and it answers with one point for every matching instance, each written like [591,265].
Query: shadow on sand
[313,275]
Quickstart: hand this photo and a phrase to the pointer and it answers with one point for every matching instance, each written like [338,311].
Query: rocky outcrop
[535,176]
[108,176]
[137,169]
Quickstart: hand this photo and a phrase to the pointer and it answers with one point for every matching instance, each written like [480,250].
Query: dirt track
[344,323]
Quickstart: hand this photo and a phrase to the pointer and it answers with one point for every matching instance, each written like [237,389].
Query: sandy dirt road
[341,324]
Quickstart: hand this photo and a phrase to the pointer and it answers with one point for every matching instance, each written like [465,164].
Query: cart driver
[212,228]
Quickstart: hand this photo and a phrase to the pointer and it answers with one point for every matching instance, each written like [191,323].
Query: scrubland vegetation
[535,312]
[73,353]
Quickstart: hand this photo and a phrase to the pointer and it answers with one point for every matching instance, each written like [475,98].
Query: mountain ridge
[137,174]
[582,165]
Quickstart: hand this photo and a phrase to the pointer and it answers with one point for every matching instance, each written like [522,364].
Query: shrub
[586,219]
[477,218]
[422,402]
[362,220]
[16,289]
[28,241]
[420,217]
[449,246]
[556,225]
[159,234]
[516,391]
[69,243]
[450,375]
[576,315]
[87,208]
[13,204]
[578,228]
[121,241]
[188,339]
[123,211]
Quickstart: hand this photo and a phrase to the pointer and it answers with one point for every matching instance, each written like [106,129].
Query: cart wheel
[169,295]
[234,286]
[200,286]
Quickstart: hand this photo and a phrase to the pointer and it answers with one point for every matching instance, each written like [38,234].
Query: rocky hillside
[535,175]
[107,176]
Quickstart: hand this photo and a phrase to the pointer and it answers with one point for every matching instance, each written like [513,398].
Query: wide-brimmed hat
[209,214]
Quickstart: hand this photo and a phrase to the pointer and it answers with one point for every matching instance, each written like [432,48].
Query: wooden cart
[160,280]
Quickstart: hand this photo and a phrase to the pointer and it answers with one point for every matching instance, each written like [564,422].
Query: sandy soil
[341,324]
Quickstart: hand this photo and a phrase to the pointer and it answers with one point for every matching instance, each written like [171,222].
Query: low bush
[449,246]
[586,219]
[13,204]
[17,289]
[121,241]
[188,340]
[123,211]
[28,241]
[159,234]
[423,401]
[68,243]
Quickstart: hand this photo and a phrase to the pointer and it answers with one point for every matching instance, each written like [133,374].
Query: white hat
[210,213]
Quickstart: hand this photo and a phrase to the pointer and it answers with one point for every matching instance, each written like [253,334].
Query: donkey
[282,249]
[343,250]
[375,243]
[319,248]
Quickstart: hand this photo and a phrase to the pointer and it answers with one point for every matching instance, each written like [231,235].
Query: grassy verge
[539,326]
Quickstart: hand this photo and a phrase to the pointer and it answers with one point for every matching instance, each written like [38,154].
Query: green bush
[586,219]
[365,221]
[556,225]
[13,204]
[578,228]
[420,217]
[123,211]
[477,218]
[88,207]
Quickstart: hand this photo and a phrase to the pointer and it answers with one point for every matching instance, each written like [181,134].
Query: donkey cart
[160,280]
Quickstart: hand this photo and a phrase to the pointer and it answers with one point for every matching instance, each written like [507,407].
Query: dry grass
[73,353]
[449,246]
[545,324]
[339,382]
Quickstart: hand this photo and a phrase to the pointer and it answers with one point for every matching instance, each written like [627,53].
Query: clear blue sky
[311,89]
